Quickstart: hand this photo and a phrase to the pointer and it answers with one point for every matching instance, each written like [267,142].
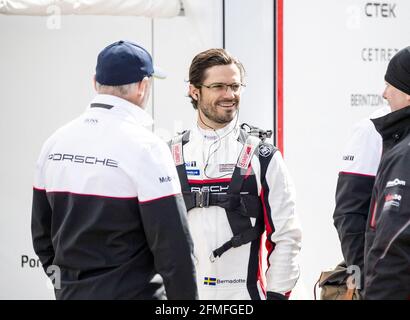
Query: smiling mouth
[228,105]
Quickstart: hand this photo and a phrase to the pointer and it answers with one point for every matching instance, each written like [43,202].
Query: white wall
[324,65]
[176,42]
[249,36]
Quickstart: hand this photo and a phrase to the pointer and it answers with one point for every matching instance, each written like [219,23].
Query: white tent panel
[147,8]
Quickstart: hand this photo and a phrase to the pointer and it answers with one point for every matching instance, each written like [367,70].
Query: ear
[193,92]
[143,86]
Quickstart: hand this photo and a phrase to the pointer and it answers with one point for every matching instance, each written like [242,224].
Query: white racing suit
[234,271]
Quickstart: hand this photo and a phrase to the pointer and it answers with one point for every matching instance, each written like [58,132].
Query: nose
[385,93]
[229,92]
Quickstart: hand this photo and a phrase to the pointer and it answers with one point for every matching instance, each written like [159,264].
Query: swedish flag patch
[209,281]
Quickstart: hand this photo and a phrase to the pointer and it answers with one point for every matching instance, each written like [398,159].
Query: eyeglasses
[223,87]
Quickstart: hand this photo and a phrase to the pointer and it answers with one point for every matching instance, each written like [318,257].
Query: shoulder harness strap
[241,225]
[239,208]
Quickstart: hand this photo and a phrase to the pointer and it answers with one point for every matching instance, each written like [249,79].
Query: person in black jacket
[387,244]
[360,160]
[108,216]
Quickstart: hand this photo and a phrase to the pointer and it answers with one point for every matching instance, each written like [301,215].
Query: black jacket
[361,158]
[387,246]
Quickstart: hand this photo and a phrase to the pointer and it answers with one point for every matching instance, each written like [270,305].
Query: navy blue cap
[124,62]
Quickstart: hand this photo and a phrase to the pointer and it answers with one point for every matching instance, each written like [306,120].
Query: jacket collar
[393,126]
[122,108]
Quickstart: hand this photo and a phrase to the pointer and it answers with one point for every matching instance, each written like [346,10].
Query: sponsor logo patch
[226,167]
[395,182]
[177,153]
[211,189]
[265,150]
[246,156]
[210,137]
[76,158]
[193,172]
[392,201]
[165,179]
[91,121]
[190,164]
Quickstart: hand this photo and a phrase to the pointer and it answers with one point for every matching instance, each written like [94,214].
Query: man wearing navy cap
[387,244]
[108,217]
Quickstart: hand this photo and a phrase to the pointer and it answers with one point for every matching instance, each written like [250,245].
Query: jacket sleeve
[353,195]
[387,256]
[390,277]
[164,219]
[41,217]
[358,168]
[282,228]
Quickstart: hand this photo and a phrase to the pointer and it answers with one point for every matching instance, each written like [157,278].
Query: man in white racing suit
[235,187]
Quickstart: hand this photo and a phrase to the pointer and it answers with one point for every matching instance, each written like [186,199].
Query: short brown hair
[207,59]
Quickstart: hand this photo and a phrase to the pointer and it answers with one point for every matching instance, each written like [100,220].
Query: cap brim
[159,73]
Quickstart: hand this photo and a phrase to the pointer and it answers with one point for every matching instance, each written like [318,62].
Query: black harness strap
[239,207]
[239,222]
[246,204]
[252,233]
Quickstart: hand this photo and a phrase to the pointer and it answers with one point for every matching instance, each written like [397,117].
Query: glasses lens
[220,87]
[235,87]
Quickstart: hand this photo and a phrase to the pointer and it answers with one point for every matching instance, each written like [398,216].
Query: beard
[219,114]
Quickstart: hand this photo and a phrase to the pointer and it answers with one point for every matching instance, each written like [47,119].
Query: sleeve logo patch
[348,157]
[165,179]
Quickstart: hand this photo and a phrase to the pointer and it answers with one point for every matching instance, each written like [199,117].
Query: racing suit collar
[124,108]
[232,129]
